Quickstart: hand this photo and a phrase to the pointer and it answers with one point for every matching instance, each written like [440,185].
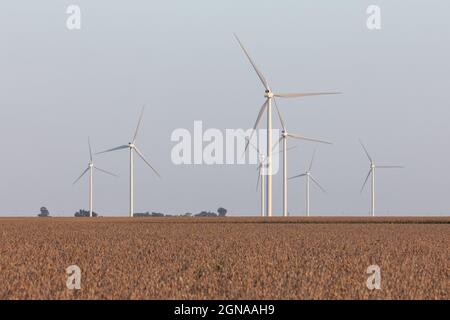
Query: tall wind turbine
[267,106]
[91,168]
[372,172]
[285,135]
[309,177]
[132,147]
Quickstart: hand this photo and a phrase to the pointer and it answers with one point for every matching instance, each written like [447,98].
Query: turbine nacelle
[131,145]
[268,94]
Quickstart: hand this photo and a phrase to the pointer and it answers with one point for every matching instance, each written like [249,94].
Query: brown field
[224,258]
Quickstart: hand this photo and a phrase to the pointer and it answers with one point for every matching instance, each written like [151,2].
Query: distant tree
[157,214]
[222,212]
[84,213]
[140,215]
[206,214]
[147,214]
[44,212]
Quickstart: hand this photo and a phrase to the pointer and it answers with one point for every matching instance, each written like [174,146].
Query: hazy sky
[180,58]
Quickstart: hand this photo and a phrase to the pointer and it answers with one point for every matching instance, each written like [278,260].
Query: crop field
[224,258]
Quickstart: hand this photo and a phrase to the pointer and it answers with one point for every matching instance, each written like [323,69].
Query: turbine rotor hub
[268,94]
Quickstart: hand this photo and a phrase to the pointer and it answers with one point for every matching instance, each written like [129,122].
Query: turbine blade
[318,184]
[291,148]
[390,167]
[145,160]
[296,136]
[283,125]
[287,149]
[261,112]
[367,152]
[297,176]
[253,146]
[90,148]
[296,95]
[114,149]
[107,172]
[312,160]
[139,124]
[365,181]
[259,177]
[81,176]
[260,75]
[277,143]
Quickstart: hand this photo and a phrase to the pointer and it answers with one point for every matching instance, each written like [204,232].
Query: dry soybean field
[224,258]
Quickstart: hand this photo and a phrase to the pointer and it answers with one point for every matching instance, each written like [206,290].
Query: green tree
[222,212]
[44,212]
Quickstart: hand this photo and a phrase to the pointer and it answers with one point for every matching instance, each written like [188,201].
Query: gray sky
[180,58]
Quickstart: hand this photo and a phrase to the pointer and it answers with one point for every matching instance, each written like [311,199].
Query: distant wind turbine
[261,176]
[372,172]
[133,148]
[91,168]
[267,105]
[283,139]
[309,177]
[262,166]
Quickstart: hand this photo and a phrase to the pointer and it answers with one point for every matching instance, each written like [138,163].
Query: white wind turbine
[267,105]
[91,168]
[309,177]
[285,135]
[133,148]
[262,166]
[372,172]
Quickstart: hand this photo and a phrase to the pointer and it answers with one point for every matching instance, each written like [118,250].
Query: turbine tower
[283,139]
[132,147]
[372,172]
[91,168]
[309,177]
[267,106]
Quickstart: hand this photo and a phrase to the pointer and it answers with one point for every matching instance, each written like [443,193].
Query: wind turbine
[285,135]
[261,175]
[261,181]
[309,177]
[91,168]
[267,106]
[132,147]
[372,172]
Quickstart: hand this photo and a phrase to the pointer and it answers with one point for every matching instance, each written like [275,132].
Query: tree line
[221,212]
